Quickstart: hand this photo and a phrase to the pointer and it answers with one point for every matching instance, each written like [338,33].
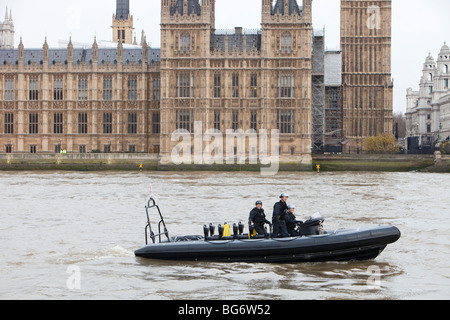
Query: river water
[68,235]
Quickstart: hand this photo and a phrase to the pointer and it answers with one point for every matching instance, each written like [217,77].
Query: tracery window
[217,85]
[9,89]
[83,88]
[82,122]
[254,120]
[9,123]
[107,122]
[286,43]
[185,43]
[254,85]
[34,123]
[185,120]
[235,121]
[132,122]
[132,88]
[285,121]
[185,85]
[107,88]
[156,123]
[57,123]
[34,89]
[58,88]
[286,86]
[235,85]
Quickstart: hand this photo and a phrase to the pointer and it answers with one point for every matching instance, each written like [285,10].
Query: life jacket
[280,209]
[260,217]
[290,220]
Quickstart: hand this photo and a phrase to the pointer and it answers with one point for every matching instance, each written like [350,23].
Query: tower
[286,51]
[123,23]
[442,77]
[186,28]
[234,81]
[366,69]
[7,31]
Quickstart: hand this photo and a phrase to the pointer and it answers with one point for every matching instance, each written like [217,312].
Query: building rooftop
[193,7]
[228,40]
[60,56]
[122,9]
[292,6]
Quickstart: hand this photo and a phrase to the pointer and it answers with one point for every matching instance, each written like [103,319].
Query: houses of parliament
[131,98]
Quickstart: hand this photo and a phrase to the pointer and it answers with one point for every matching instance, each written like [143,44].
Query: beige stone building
[231,80]
[133,98]
[79,100]
[366,70]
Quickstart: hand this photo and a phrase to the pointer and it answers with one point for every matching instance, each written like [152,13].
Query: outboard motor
[206,231]
[312,227]
[241,228]
[235,231]
[212,229]
[220,228]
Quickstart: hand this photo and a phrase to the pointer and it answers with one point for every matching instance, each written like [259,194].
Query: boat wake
[77,257]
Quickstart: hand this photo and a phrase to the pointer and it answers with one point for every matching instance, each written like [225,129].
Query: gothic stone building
[366,70]
[237,80]
[80,100]
[131,99]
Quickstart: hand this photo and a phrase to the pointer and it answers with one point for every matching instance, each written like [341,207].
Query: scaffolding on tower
[318,92]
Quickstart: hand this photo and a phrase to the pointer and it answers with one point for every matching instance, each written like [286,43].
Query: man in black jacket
[258,218]
[278,219]
[292,222]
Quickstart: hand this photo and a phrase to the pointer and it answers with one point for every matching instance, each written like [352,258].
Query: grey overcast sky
[419,27]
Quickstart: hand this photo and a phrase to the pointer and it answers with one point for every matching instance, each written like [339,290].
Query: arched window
[446,68]
[430,77]
[185,43]
[286,42]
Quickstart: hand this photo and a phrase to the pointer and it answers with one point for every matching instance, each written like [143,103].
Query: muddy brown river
[67,235]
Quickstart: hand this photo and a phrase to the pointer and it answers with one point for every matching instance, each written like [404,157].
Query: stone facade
[131,99]
[428,110]
[366,70]
[79,100]
[237,80]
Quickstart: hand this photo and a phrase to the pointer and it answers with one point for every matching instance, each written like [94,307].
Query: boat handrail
[148,228]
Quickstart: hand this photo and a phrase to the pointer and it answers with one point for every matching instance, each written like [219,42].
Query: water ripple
[50,221]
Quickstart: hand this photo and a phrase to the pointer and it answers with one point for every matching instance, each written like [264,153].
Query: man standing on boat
[278,219]
[258,218]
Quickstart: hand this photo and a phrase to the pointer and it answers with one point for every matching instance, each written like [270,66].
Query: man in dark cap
[258,218]
[278,219]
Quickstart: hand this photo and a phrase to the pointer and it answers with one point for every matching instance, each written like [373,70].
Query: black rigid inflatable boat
[313,244]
